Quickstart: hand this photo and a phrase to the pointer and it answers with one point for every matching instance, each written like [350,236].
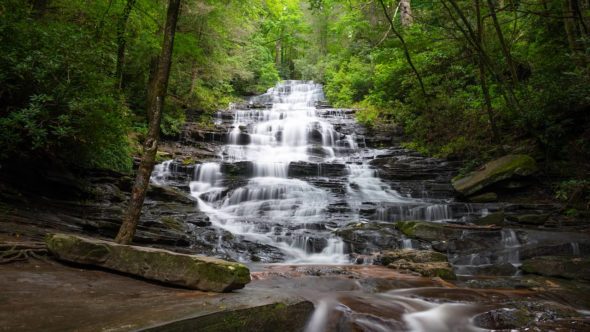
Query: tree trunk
[471,37]
[121,43]
[503,44]
[405,47]
[405,10]
[40,8]
[569,22]
[194,72]
[483,79]
[155,101]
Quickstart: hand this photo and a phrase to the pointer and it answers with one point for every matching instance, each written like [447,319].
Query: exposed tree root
[14,252]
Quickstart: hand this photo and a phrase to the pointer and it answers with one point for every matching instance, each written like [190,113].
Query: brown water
[373,298]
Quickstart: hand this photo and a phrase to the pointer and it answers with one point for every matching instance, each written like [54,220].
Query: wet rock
[559,266]
[496,218]
[555,249]
[165,193]
[425,262]
[484,198]
[415,256]
[238,169]
[242,139]
[427,231]
[529,219]
[303,169]
[523,316]
[366,238]
[289,316]
[410,173]
[507,167]
[498,269]
[194,272]
[501,319]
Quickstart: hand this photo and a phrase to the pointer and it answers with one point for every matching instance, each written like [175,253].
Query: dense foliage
[67,93]
[543,107]
[73,73]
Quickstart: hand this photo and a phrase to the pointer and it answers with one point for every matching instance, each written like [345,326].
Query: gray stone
[190,271]
[507,167]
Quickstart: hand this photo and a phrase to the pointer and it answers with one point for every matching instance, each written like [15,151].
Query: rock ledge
[190,271]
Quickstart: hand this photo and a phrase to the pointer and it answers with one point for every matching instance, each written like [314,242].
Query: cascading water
[292,176]
[289,212]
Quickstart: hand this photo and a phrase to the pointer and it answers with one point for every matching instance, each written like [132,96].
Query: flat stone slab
[189,271]
[52,297]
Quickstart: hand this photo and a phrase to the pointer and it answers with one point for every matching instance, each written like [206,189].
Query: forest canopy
[465,79]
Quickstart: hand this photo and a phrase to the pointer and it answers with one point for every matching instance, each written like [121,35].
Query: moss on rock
[425,262]
[190,271]
[504,168]
[427,231]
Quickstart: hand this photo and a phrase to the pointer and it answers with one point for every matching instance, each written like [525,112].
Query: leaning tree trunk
[155,101]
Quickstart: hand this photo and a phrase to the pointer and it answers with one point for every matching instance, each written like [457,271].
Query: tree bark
[122,42]
[40,7]
[471,37]
[503,44]
[155,101]
[405,47]
[569,22]
[405,10]
[483,78]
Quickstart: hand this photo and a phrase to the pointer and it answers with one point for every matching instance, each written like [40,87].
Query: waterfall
[162,172]
[267,207]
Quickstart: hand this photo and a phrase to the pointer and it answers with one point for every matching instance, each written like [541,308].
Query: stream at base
[375,298]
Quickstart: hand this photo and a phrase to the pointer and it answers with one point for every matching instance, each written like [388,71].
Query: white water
[273,209]
[512,246]
[271,139]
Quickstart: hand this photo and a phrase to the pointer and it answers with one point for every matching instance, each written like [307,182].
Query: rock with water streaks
[190,271]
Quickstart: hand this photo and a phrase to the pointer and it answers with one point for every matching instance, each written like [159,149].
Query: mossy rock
[162,156]
[427,263]
[484,198]
[558,266]
[414,256]
[496,218]
[433,269]
[507,167]
[427,231]
[173,223]
[529,219]
[190,271]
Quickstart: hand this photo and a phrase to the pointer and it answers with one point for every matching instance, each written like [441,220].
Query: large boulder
[190,271]
[428,231]
[559,266]
[507,167]
[425,262]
